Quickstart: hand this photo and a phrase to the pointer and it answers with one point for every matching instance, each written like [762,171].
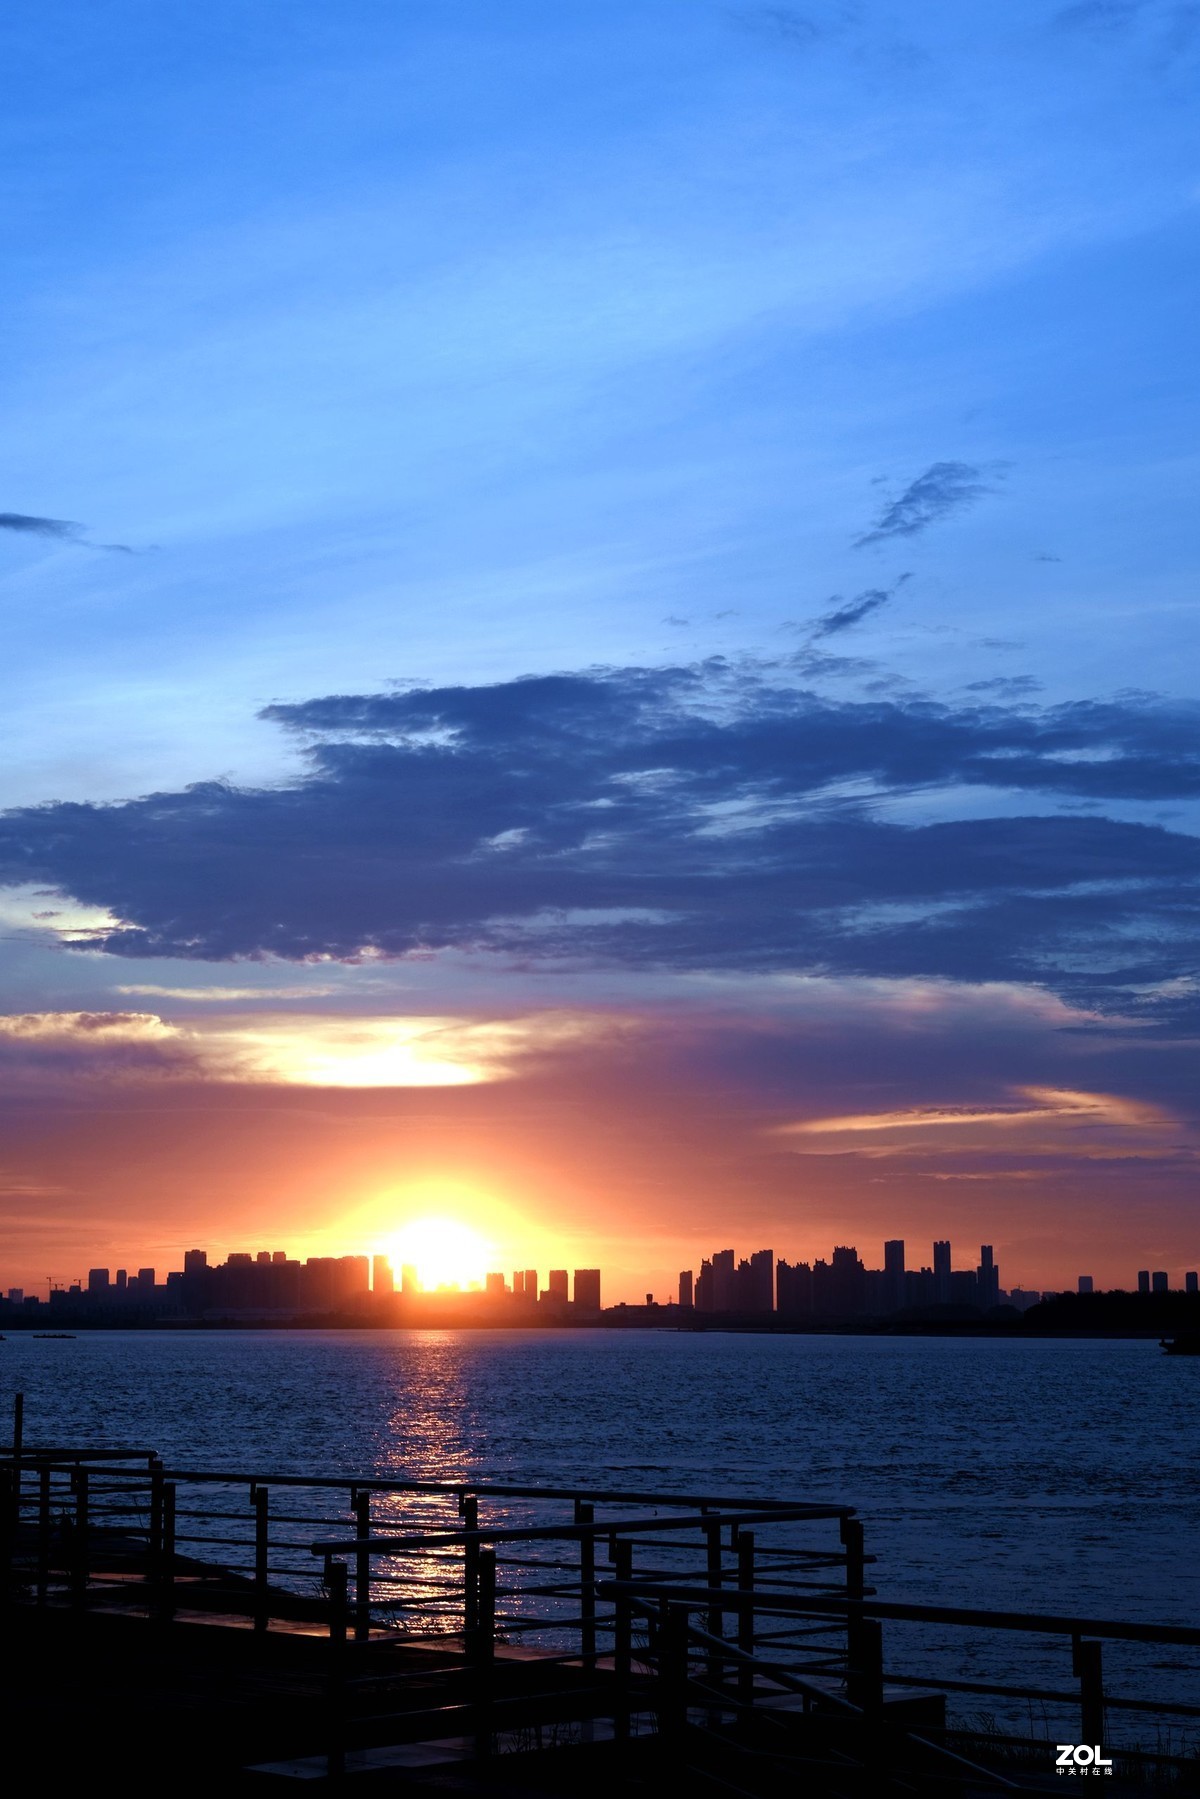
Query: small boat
[54,1336]
[1186,1343]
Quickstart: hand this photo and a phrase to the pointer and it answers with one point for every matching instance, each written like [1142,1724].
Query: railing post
[485,1651]
[18,1447]
[585,1514]
[468,1506]
[864,1673]
[621,1551]
[335,1581]
[8,1532]
[79,1558]
[261,1499]
[154,1543]
[1087,1664]
[362,1566]
[852,1541]
[745,1624]
[672,1669]
[166,1571]
[716,1617]
[43,1550]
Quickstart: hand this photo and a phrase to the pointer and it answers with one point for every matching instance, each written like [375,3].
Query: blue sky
[452,344]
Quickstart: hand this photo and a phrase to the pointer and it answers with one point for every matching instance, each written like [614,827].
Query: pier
[264,1628]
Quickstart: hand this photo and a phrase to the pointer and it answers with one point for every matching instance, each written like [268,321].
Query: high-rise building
[941,1273]
[1085,1284]
[762,1281]
[1189,1281]
[495,1286]
[145,1280]
[1143,1280]
[794,1289]
[686,1295]
[587,1289]
[557,1285]
[1159,1282]
[724,1281]
[382,1278]
[121,1280]
[893,1274]
[195,1261]
[847,1283]
[988,1276]
[97,1280]
[531,1286]
[706,1298]
[518,1284]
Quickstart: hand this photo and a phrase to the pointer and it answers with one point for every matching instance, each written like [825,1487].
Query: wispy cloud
[842,614]
[944,489]
[28,525]
[63,530]
[1035,1104]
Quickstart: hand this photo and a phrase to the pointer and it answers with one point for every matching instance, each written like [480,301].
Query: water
[1042,1476]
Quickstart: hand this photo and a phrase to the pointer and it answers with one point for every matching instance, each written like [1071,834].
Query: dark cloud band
[713,816]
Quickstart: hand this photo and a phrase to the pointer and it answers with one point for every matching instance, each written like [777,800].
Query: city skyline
[762,1282]
[600,631]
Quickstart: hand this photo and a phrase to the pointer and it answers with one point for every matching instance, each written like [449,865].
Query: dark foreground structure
[187,1629]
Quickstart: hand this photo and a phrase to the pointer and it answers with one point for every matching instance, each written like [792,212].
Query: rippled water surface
[1050,1476]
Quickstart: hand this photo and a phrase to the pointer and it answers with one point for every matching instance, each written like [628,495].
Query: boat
[54,1336]
[1186,1343]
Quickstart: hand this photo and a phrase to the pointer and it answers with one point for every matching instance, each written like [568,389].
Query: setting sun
[443,1251]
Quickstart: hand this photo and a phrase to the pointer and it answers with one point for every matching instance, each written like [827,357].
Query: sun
[443,1251]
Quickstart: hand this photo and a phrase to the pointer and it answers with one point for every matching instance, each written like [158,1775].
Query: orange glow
[444,1252]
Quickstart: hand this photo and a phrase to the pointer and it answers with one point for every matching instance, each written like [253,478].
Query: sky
[599,632]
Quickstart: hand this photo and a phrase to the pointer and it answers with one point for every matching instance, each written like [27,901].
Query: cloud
[65,530]
[1098,18]
[781,22]
[1034,1104]
[31,526]
[709,816]
[943,489]
[842,614]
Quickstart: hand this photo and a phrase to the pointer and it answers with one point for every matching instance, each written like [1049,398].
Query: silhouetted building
[587,1289]
[893,1274]
[97,1281]
[987,1277]
[557,1285]
[794,1290]
[754,1283]
[1189,1282]
[685,1289]
[495,1286]
[1159,1283]
[847,1283]
[941,1273]
[1085,1284]
[1143,1280]
[706,1294]
[195,1261]
[382,1278]
[724,1281]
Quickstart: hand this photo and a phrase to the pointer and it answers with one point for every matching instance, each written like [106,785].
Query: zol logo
[1082,1758]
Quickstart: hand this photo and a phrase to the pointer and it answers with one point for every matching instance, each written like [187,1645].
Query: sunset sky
[599,632]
